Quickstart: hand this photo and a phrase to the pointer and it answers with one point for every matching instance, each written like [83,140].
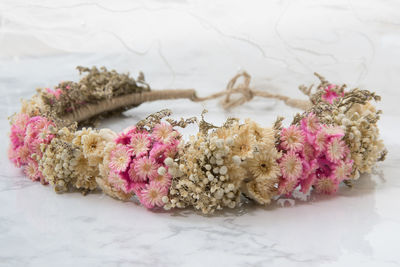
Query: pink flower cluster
[137,162]
[56,93]
[314,155]
[27,135]
[330,95]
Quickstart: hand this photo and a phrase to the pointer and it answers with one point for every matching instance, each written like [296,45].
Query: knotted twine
[245,92]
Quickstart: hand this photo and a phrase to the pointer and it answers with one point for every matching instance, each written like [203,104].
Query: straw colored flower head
[343,170]
[163,132]
[93,145]
[291,166]
[244,144]
[132,173]
[23,155]
[145,168]
[139,144]
[32,170]
[292,138]
[310,123]
[225,132]
[104,168]
[79,134]
[262,135]
[152,195]
[335,150]
[261,190]
[81,164]
[264,164]
[119,159]
[163,179]
[158,152]
[320,140]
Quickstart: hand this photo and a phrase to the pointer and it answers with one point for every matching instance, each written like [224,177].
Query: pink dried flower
[320,140]
[12,155]
[131,130]
[330,94]
[38,128]
[20,120]
[307,183]
[286,186]
[17,136]
[119,159]
[34,147]
[308,152]
[145,168]
[32,171]
[343,170]
[132,173]
[151,196]
[335,150]
[172,149]
[163,179]
[22,155]
[123,139]
[310,123]
[291,165]
[292,138]
[163,132]
[137,187]
[118,181]
[55,93]
[139,144]
[157,152]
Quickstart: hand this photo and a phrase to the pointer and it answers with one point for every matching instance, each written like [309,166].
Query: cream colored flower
[244,144]
[107,134]
[264,164]
[261,134]
[86,181]
[93,145]
[261,190]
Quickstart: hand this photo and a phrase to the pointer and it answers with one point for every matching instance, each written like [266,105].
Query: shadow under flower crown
[334,140]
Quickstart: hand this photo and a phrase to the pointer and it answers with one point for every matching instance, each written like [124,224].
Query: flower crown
[334,140]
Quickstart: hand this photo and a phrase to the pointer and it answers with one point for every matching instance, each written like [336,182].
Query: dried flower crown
[334,140]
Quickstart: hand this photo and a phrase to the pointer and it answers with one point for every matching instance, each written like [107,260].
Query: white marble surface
[201,44]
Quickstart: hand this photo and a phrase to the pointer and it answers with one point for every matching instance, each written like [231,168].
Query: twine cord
[132,100]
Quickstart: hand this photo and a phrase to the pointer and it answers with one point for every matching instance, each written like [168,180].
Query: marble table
[191,44]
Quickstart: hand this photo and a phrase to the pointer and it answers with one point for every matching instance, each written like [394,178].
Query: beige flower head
[93,144]
[244,144]
[261,190]
[264,163]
